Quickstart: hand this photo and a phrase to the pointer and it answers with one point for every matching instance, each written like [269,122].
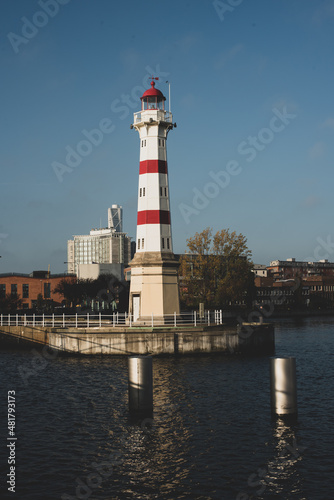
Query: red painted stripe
[153,217]
[153,167]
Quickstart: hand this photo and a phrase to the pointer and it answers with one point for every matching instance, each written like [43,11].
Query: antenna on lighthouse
[169,106]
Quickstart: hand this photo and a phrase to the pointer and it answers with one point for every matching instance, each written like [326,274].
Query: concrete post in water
[140,384]
[283,386]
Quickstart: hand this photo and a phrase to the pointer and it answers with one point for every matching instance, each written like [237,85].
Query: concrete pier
[123,341]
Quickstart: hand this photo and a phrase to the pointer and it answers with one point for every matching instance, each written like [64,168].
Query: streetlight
[69,262]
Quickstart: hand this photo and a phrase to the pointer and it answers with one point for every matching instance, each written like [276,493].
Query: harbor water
[211,435]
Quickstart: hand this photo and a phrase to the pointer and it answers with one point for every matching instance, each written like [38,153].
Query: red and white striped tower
[154,283]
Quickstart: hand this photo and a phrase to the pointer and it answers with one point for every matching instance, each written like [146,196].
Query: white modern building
[101,249]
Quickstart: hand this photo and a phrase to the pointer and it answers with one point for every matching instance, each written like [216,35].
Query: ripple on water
[212,435]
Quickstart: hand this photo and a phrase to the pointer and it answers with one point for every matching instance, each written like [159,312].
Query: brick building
[27,287]
[290,268]
[311,291]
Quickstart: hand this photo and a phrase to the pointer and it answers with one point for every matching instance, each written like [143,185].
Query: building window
[145,142]
[138,244]
[142,243]
[168,243]
[47,290]
[143,191]
[140,192]
[162,243]
[13,290]
[25,291]
[165,191]
[160,191]
[2,291]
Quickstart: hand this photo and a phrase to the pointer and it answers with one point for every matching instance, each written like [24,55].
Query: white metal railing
[91,320]
[159,114]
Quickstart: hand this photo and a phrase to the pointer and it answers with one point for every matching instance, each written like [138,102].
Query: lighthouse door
[135,306]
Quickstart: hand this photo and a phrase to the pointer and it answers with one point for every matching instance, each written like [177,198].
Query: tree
[196,270]
[10,303]
[106,288]
[217,270]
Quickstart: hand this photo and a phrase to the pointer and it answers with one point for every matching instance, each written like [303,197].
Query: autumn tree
[196,270]
[216,269]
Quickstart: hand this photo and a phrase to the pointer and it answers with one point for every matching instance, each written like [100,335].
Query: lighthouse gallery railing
[164,116]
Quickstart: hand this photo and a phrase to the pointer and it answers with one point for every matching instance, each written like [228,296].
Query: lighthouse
[154,279]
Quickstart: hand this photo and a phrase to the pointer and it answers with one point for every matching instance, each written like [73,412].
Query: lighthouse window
[168,243]
[138,244]
[165,191]
[142,242]
[140,192]
[162,243]
[143,191]
[160,191]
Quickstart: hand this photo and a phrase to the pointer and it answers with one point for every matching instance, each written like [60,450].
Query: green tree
[71,290]
[105,288]
[216,270]
[10,304]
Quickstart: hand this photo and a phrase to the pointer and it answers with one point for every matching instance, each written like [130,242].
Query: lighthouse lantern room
[154,281]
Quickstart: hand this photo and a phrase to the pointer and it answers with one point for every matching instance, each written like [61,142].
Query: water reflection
[282,474]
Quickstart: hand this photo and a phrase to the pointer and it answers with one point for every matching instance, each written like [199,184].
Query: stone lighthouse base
[154,287]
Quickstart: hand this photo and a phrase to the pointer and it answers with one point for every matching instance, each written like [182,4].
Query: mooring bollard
[283,386]
[140,384]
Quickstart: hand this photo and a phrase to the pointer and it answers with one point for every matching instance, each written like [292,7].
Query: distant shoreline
[301,313]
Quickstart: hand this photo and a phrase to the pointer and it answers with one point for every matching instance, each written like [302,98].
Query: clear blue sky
[232,74]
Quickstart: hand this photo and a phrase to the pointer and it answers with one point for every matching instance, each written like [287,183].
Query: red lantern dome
[152,98]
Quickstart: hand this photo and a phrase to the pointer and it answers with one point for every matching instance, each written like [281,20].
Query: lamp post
[169,104]
[68,262]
